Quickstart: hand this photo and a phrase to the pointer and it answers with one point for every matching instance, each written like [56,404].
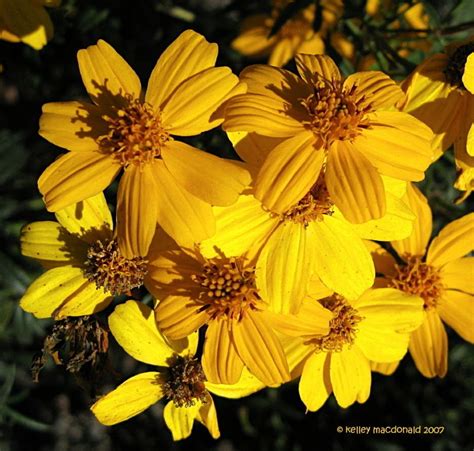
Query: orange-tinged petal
[289,172]
[129,399]
[253,39]
[315,384]
[416,243]
[313,46]
[76,176]
[184,217]
[454,241]
[383,260]
[459,275]
[315,67]
[106,75]
[285,267]
[387,369]
[186,56]
[180,420]
[429,346]
[354,184]
[247,385]
[72,125]
[457,310]
[259,349]
[212,179]
[136,210]
[192,109]
[283,51]
[397,144]
[207,415]
[220,361]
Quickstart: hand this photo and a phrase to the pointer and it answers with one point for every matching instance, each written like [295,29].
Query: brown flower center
[417,277]
[455,67]
[336,113]
[116,274]
[228,287]
[342,327]
[184,381]
[135,134]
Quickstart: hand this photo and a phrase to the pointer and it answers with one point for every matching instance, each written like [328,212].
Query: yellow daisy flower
[441,275]
[297,35]
[164,180]
[180,378]
[219,292]
[342,125]
[26,21]
[375,326]
[86,267]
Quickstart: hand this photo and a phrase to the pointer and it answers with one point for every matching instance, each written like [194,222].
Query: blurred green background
[54,413]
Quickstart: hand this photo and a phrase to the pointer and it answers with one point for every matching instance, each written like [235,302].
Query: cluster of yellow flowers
[274,260]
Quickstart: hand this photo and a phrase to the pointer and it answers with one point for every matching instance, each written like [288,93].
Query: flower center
[455,67]
[342,327]
[116,274]
[135,134]
[184,381]
[313,205]
[335,113]
[228,287]
[419,278]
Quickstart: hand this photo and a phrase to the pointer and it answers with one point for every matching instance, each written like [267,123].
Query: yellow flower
[164,180]
[440,93]
[297,35]
[219,292]
[344,126]
[86,268]
[375,326]
[440,276]
[26,21]
[180,378]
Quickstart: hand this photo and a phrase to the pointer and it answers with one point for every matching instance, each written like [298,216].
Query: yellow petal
[136,210]
[468,74]
[247,385]
[253,39]
[186,56]
[76,176]
[207,415]
[354,184]
[429,346]
[289,172]
[314,67]
[283,51]
[192,107]
[313,46]
[459,275]
[457,310]
[129,399]
[63,291]
[212,179]
[350,376]
[397,144]
[315,384]
[383,260]
[296,352]
[220,361]
[285,267]
[344,264]
[90,219]
[134,327]
[416,243]
[259,349]
[454,241]
[72,125]
[184,217]
[106,75]
[180,420]
[387,369]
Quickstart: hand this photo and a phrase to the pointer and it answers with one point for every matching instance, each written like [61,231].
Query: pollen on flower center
[135,134]
[228,287]
[116,274]
[455,68]
[419,278]
[342,327]
[184,381]
[312,206]
[335,113]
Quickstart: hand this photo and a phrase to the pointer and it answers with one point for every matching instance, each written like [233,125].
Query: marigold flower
[26,21]
[164,180]
[86,267]
[342,125]
[297,35]
[440,275]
